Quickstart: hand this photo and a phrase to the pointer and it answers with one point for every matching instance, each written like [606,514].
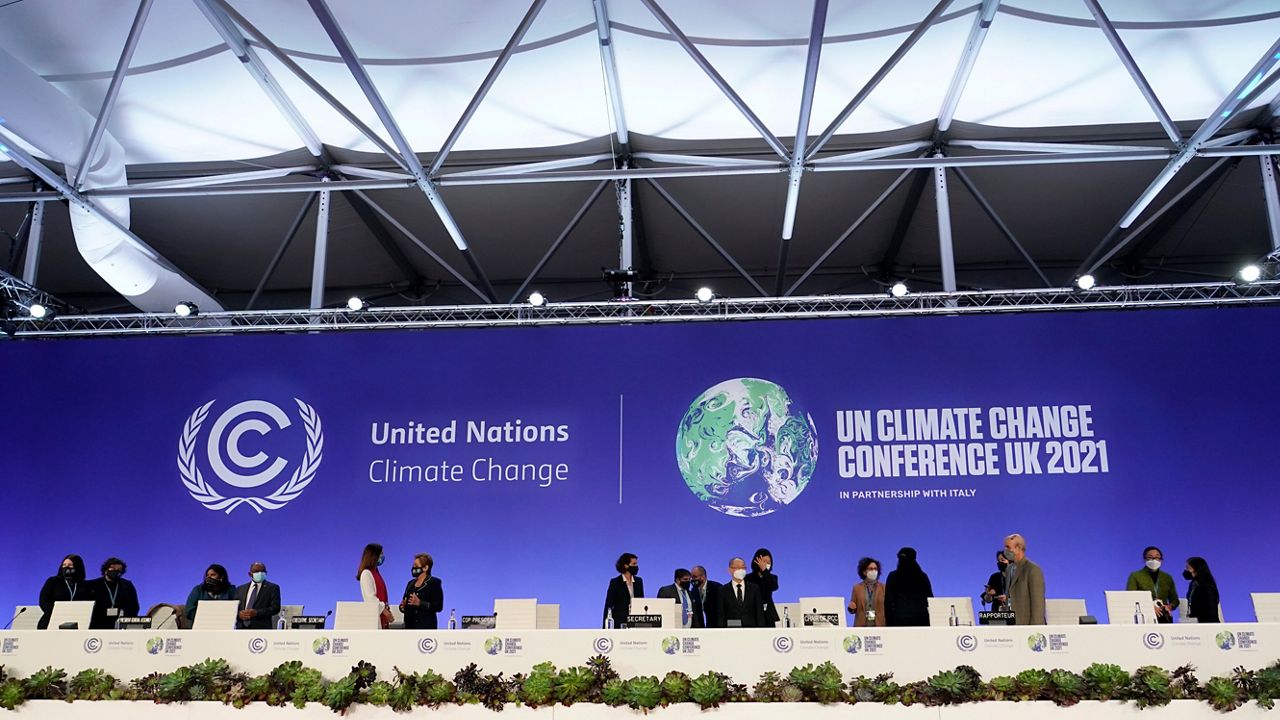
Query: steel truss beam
[555,246]
[113,92]
[1126,59]
[964,68]
[280,251]
[1133,297]
[22,294]
[1000,224]
[609,60]
[697,227]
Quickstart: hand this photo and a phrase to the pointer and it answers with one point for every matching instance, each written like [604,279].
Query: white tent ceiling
[1046,72]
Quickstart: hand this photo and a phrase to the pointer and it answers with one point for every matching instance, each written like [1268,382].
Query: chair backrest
[397,618]
[356,615]
[516,613]
[1266,606]
[1183,607]
[940,610]
[1064,611]
[548,616]
[216,615]
[166,617]
[668,608]
[1121,605]
[76,611]
[26,619]
[789,610]
[287,613]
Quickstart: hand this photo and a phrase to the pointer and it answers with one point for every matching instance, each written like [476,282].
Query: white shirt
[686,619]
[369,590]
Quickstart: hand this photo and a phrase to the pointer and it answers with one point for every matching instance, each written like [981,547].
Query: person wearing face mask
[113,596]
[995,584]
[907,592]
[682,589]
[623,588]
[740,602]
[372,587]
[766,582]
[1157,582]
[1202,593]
[866,602]
[423,596]
[1024,584]
[259,600]
[67,584]
[215,586]
[708,593]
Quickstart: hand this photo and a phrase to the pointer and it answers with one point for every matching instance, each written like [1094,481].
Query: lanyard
[112,595]
[71,589]
[871,595]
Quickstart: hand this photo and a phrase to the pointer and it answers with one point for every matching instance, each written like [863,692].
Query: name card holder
[821,620]
[307,622]
[133,623]
[644,621]
[479,622]
[996,617]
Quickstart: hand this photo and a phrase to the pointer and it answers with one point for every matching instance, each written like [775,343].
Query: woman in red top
[371,585]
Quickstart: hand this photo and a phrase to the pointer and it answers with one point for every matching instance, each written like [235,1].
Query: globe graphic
[745,449]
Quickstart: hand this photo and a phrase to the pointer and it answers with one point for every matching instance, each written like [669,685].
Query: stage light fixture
[1250,273]
[356,304]
[1086,282]
[38,311]
[537,299]
[899,289]
[186,308]
[705,295]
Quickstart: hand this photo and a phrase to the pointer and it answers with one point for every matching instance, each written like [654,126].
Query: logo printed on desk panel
[257,645]
[223,451]
[92,645]
[967,643]
[783,644]
[1153,640]
[603,645]
[427,645]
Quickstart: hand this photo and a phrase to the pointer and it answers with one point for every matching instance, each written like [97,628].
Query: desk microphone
[15,617]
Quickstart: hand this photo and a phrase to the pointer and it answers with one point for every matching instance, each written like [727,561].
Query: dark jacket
[750,611]
[696,618]
[906,597]
[767,584]
[125,601]
[1202,601]
[198,593]
[618,601]
[266,603]
[425,616]
[710,604]
[56,589]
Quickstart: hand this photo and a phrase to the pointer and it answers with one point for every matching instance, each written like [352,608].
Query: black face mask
[212,584]
[634,570]
[1001,566]
[683,585]
[415,571]
[69,573]
[113,575]
[695,583]
[1186,575]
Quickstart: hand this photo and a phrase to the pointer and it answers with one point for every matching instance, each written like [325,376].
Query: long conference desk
[744,654]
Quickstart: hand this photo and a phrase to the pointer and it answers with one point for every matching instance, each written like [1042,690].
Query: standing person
[691,615]
[259,600]
[1024,581]
[866,602]
[215,586]
[995,584]
[66,585]
[623,588]
[113,596]
[423,596]
[740,603]
[1157,582]
[708,595]
[1202,593]
[907,592]
[372,588]
[763,578]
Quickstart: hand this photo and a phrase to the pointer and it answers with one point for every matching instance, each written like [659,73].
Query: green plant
[613,693]
[539,687]
[709,689]
[880,689]
[768,688]
[644,692]
[574,684]
[1065,687]
[1266,687]
[12,694]
[950,687]
[92,684]
[1032,684]
[378,693]
[1223,694]
[46,684]
[1105,681]
[341,694]
[1151,685]
[675,687]
[1002,687]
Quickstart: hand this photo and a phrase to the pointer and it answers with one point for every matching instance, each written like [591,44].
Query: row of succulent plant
[597,682]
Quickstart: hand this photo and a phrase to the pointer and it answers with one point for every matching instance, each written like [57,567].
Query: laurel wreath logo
[203,493]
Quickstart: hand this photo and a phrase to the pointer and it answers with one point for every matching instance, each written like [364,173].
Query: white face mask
[739,574]
[872,575]
[1153,565]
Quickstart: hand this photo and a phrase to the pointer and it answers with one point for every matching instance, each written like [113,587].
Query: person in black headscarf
[68,584]
[994,589]
[763,578]
[1202,594]
[907,592]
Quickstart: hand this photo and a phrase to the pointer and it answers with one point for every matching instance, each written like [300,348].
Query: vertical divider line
[619,448]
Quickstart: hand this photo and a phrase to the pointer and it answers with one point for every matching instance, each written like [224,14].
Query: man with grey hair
[740,601]
[1024,583]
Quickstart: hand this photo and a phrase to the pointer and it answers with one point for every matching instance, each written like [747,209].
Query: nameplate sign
[821,620]
[644,621]
[479,622]
[996,617]
[307,622]
[133,623]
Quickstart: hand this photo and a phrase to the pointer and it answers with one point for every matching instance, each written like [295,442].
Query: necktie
[739,587]
[253,595]
[684,605]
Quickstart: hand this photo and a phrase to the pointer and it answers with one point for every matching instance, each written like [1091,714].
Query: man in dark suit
[740,601]
[708,594]
[259,600]
[622,589]
[690,603]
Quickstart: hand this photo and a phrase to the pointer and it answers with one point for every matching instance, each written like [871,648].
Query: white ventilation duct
[36,115]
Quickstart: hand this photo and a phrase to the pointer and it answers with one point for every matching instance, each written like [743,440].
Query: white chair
[1182,612]
[548,616]
[76,611]
[355,615]
[940,610]
[1064,611]
[397,617]
[216,615]
[789,610]
[516,613]
[668,608]
[26,617]
[1266,607]
[287,613]
[1121,605]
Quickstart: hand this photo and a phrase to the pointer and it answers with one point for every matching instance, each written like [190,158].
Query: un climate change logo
[92,645]
[225,437]
[257,645]
[782,644]
[603,645]
[426,646]
[852,644]
[1036,642]
[967,643]
[1153,640]
[745,449]
[1225,640]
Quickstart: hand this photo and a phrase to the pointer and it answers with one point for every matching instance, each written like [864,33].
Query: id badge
[733,623]
[871,616]
[113,612]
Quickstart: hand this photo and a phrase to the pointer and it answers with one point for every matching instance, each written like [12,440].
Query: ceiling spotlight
[536,299]
[1086,282]
[356,304]
[38,311]
[899,289]
[186,308]
[1250,273]
[704,294]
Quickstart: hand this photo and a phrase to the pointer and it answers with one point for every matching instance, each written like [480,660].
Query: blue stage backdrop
[525,460]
